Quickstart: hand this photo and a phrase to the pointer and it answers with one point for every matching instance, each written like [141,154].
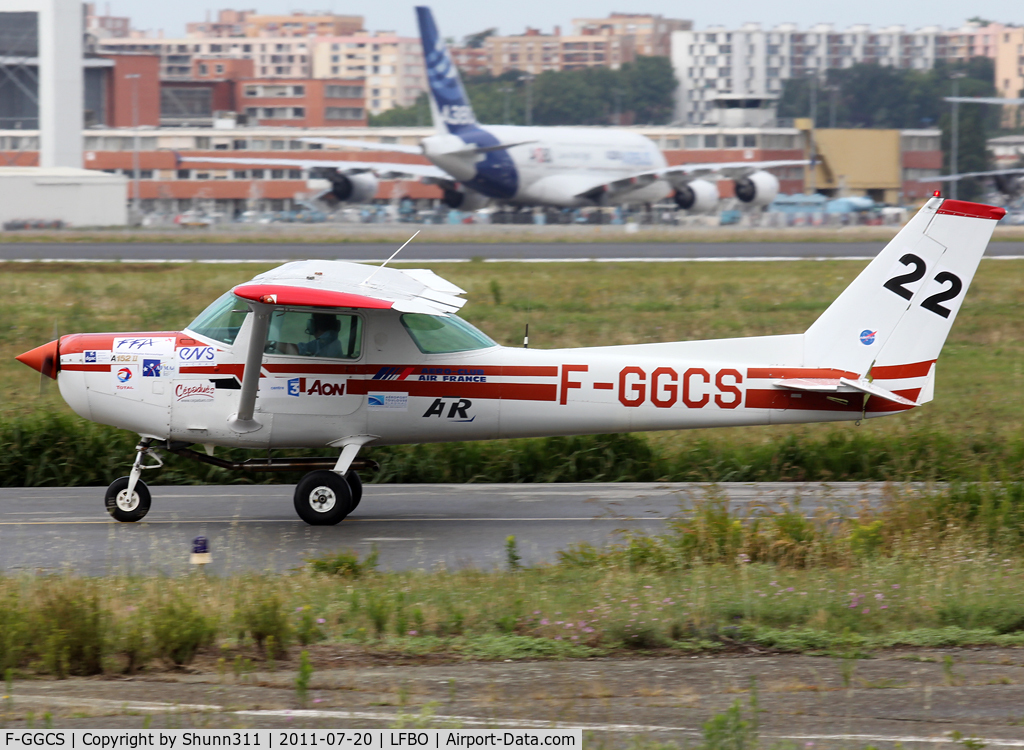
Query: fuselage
[185,386]
[551,165]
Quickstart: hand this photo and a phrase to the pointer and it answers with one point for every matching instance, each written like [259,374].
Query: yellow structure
[1010,72]
[855,161]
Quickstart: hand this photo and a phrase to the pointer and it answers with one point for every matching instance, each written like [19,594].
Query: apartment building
[280,57]
[534,52]
[392,66]
[1010,72]
[249,23]
[755,61]
[472,61]
[652,33]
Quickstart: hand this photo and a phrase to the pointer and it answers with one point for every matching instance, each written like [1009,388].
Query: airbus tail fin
[449,104]
[890,324]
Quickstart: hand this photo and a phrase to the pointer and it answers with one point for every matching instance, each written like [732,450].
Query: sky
[457,18]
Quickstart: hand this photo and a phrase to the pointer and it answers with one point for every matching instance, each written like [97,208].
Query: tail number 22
[898,284]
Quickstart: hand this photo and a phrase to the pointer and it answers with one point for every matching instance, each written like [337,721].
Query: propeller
[51,362]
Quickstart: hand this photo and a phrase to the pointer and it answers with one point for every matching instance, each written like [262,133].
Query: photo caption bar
[272,739]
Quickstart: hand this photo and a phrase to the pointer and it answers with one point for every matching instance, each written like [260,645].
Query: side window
[315,334]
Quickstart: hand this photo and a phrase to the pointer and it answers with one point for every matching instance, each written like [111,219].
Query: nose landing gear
[128,499]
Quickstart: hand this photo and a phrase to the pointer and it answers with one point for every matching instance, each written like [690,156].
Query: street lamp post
[955,135]
[528,78]
[137,198]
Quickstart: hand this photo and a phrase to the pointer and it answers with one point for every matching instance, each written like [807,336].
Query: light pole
[528,77]
[137,201]
[507,91]
[954,150]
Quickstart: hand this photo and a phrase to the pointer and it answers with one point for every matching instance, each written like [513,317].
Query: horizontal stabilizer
[841,385]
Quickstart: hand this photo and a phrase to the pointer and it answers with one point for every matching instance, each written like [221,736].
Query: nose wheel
[324,498]
[127,506]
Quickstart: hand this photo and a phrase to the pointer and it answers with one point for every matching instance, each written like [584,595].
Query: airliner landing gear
[128,498]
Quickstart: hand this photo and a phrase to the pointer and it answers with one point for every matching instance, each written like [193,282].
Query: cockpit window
[315,334]
[435,334]
[222,320]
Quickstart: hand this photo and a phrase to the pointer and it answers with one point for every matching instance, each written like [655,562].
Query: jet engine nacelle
[354,188]
[697,195]
[757,189]
[1009,184]
[464,200]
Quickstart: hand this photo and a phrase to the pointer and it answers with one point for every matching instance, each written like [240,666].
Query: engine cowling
[697,195]
[464,200]
[354,188]
[757,189]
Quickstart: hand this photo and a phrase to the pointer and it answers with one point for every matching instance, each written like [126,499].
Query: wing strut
[243,421]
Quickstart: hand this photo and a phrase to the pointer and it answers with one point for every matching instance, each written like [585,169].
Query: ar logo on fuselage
[457,409]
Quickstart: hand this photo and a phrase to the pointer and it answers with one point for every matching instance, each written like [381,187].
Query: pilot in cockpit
[324,328]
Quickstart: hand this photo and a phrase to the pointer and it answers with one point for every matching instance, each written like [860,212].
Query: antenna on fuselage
[367,281]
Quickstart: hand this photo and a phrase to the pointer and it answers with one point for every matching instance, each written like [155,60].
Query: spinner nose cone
[42,359]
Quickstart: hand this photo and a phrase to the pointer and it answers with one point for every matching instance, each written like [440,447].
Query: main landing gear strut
[323,497]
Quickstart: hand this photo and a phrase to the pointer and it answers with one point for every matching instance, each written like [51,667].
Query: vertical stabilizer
[895,316]
[449,104]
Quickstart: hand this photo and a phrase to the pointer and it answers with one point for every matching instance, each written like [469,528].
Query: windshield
[222,320]
[435,334]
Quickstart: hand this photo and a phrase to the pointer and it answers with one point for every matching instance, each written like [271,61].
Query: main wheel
[356,485]
[323,498]
[127,509]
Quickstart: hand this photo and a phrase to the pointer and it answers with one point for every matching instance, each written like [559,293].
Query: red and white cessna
[326,353]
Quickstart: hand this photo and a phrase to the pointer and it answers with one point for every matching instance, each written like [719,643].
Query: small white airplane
[340,355]
[563,167]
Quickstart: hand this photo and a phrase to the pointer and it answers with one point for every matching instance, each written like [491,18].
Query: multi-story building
[754,61]
[249,23]
[472,61]
[653,33]
[313,103]
[392,66]
[534,52]
[1010,72]
[106,26]
[278,57]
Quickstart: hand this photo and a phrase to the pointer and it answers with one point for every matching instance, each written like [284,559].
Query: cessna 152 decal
[527,166]
[332,354]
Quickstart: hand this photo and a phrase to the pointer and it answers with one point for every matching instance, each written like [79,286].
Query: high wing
[382,169]
[683,173]
[319,283]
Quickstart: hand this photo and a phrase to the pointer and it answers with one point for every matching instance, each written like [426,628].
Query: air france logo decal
[124,374]
[867,337]
[393,373]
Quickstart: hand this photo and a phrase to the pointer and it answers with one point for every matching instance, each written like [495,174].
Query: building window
[294,174]
[332,91]
[343,113]
[277,146]
[298,112]
[240,174]
[277,174]
[298,90]
[730,141]
[749,141]
[711,141]
[238,144]
[257,174]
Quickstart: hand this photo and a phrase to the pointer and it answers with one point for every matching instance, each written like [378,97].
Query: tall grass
[53,449]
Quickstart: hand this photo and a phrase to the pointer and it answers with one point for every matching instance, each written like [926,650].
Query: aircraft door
[311,357]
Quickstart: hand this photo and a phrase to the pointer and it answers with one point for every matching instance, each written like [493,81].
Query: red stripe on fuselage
[438,388]
[895,372]
[798,372]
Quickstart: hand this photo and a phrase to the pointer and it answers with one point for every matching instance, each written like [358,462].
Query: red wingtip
[971,210]
[42,359]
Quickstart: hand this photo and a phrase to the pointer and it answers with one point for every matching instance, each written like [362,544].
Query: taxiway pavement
[511,251]
[412,526]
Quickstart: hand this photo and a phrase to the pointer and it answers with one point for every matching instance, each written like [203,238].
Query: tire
[120,507]
[356,485]
[322,498]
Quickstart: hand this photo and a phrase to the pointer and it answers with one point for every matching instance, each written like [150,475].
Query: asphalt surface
[412,526]
[457,251]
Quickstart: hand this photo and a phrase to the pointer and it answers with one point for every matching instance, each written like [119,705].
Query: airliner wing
[368,145]
[381,169]
[683,173]
[962,175]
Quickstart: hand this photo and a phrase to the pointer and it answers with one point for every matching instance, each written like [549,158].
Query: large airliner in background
[564,167]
